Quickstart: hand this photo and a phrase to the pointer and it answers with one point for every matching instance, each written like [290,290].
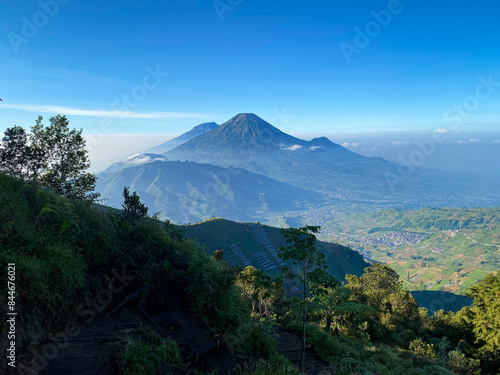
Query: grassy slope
[220,234]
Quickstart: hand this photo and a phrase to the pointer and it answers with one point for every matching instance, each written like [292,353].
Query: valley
[439,249]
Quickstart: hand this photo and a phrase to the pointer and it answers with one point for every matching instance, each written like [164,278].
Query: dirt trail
[290,345]
[93,351]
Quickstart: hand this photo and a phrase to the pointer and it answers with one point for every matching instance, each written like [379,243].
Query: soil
[93,351]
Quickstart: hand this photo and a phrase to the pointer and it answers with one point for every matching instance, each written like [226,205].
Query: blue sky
[281,60]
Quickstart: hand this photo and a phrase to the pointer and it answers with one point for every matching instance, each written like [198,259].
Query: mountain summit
[249,125]
[247,141]
[244,129]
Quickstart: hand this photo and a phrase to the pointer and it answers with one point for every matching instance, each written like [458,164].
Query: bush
[276,366]
[216,299]
[460,364]
[420,348]
[146,352]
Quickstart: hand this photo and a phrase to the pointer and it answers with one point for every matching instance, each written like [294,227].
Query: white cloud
[55,109]
[131,157]
[293,147]
[400,143]
[137,159]
[353,144]
[441,131]
[472,140]
[496,141]
[315,147]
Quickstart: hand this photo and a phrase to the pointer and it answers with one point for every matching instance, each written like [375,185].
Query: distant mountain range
[246,141]
[254,170]
[189,192]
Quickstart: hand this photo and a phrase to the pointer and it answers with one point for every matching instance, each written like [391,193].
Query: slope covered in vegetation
[243,242]
[82,266]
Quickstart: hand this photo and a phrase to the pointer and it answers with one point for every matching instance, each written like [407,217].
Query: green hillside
[136,296]
[255,244]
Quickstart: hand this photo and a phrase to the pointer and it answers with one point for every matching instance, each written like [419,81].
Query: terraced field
[446,249]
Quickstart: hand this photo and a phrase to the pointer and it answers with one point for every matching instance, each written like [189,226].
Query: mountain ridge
[177,141]
[247,141]
[189,191]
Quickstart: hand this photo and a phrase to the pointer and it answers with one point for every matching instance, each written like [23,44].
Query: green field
[439,249]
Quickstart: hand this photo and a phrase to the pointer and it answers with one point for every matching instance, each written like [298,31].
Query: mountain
[247,141]
[153,154]
[133,161]
[177,141]
[190,192]
[245,138]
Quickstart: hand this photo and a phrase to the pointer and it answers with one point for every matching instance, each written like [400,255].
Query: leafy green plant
[275,366]
[146,352]
[460,364]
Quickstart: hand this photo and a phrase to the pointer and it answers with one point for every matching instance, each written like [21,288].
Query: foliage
[311,267]
[336,307]
[422,349]
[54,157]
[13,154]
[463,365]
[379,287]
[65,250]
[146,352]
[486,317]
[260,290]
[375,285]
[216,299]
[275,366]
[132,207]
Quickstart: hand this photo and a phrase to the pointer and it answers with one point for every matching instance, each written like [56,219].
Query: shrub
[460,364]
[420,348]
[276,366]
[145,353]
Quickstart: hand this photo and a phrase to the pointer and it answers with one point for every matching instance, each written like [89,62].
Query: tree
[375,285]
[260,289]
[13,152]
[53,157]
[380,288]
[485,313]
[67,159]
[336,307]
[133,209]
[311,267]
